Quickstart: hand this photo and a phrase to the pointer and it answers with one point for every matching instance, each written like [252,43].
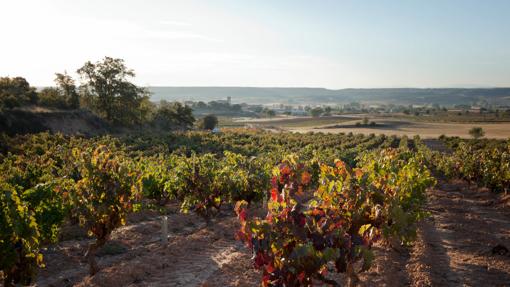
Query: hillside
[33,120]
[406,96]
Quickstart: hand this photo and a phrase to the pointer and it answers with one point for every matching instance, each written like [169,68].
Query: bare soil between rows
[462,243]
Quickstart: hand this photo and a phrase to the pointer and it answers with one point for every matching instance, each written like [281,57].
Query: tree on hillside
[113,96]
[52,97]
[476,132]
[209,122]
[15,92]
[174,116]
[64,96]
[67,86]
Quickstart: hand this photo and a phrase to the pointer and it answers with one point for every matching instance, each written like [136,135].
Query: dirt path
[458,244]
[454,248]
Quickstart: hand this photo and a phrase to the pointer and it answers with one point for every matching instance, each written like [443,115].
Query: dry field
[294,121]
[409,128]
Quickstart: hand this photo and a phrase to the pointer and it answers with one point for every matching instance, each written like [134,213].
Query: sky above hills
[332,44]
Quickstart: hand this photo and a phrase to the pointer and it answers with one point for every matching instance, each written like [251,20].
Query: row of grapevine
[48,181]
[51,180]
[488,167]
[254,143]
[202,183]
[43,188]
[484,162]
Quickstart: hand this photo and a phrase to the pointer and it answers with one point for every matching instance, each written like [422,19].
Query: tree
[67,87]
[476,132]
[209,122]
[327,111]
[270,113]
[52,97]
[147,110]
[201,105]
[15,92]
[236,108]
[316,112]
[365,121]
[64,96]
[113,96]
[174,116]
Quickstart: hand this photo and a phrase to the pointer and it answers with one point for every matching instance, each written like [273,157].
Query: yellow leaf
[363,229]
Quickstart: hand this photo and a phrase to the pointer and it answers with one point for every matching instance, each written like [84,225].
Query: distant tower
[229,100]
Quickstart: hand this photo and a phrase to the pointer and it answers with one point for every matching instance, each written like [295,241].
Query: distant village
[227,108]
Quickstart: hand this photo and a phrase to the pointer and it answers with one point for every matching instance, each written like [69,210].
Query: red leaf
[340,164]
[339,223]
[270,268]
[302,221]
[259,260]
[285,170]
[265,280]
[305,178]
[274,194]
[301,276]
[274,181]
[242,214]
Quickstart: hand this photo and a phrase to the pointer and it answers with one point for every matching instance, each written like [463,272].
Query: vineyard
[270,209]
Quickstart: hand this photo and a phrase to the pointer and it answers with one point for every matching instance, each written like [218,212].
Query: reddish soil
[462,243]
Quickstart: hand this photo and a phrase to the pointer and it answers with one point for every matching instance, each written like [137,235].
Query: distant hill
[403,96]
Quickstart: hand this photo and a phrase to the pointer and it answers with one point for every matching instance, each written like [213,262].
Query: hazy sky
[333,44]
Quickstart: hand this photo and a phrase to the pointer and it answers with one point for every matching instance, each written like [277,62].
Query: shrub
[209,122]
[476,132]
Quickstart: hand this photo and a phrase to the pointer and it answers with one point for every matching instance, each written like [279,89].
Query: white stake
[164,228]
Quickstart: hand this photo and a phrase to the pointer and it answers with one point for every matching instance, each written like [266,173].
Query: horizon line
[332,89]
